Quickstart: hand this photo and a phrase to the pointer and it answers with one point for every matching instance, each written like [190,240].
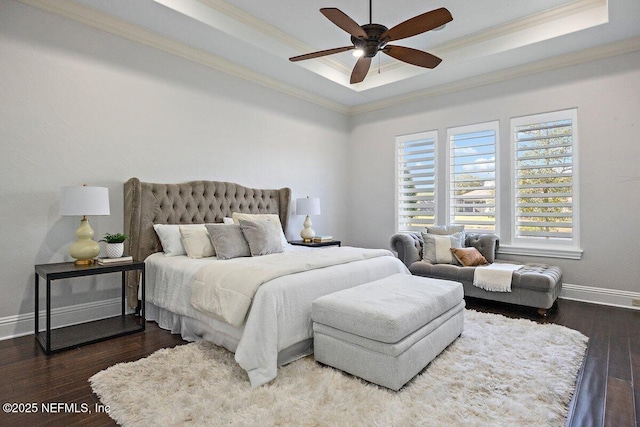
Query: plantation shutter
[472,177]
[415,166]
[544,176]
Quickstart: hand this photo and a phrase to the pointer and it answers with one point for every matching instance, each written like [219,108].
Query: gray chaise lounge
[535,285]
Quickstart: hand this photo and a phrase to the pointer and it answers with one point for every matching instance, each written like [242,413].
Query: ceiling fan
[369,39]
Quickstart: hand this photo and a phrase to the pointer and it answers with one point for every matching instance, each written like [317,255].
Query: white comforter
[280,315]
[226,289]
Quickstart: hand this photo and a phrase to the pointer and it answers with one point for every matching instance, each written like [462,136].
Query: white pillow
[273,218]
[171,239]
[226,220]
[443,230]
[437,248]
[196,242]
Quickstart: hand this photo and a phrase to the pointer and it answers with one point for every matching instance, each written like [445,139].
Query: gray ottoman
[388,330]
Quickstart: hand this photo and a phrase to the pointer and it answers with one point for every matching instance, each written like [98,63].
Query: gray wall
[607,95]
[82,106]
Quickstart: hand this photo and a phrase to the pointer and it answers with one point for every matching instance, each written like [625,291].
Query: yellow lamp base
[84,250]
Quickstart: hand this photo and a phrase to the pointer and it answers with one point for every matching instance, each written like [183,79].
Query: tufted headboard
[195,202]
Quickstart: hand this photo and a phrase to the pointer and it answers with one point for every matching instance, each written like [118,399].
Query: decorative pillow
[437,248]
[445,229]
[469,257]
[262,237]
[228,241]
[273,218]
[196,242]
[171,239]
[227,220]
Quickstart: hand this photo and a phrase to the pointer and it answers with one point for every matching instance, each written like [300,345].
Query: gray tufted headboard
[195,202]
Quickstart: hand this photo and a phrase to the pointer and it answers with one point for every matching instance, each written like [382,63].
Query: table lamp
[82,201]
[307,206]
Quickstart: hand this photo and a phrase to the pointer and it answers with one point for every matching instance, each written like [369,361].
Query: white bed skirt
[191,329]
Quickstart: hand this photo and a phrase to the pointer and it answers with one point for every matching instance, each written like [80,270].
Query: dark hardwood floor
[605,393]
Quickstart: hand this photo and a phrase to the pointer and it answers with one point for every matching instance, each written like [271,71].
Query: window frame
[505,175]
[494,126]
[556,248]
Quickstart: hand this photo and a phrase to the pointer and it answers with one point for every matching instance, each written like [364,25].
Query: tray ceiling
[485,42]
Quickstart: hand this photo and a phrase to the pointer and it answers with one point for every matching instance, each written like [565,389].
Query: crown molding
[272,32]
[119,27]
[531,21]
[508,29]
[574,58]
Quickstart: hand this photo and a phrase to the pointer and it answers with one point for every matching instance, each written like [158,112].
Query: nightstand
[53,340]
[316,244]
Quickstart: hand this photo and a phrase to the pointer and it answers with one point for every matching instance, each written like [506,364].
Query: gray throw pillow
[228,241]
[262,237]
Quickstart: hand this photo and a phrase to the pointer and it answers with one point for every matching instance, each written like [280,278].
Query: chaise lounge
[534,285]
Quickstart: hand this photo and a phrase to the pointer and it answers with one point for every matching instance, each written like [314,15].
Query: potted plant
[115,244]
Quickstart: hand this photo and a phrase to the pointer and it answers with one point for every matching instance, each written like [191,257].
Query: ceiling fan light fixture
[369,39]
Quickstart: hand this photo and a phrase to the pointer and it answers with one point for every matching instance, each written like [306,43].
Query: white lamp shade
[308,206]
[84,200]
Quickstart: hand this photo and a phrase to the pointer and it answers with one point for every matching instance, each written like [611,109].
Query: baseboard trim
[22,324]
[612,297]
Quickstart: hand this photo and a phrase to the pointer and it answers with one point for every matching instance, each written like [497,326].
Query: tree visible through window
[539,210]
[544,176]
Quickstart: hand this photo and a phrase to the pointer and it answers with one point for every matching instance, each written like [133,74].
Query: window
[415,180]
[472,176]
[535,214]
[545,179]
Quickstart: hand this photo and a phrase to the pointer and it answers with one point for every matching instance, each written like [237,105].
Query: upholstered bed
[277,328]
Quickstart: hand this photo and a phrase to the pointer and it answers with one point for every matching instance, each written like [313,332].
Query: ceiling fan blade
[360,70]
[418,24]
[321,53]
[343,21]
[412,56]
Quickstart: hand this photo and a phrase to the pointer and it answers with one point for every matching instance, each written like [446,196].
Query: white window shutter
[544,178]
[415,181]
[472,177]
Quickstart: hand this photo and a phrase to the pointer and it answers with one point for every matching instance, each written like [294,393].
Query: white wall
[607,95]
[79,105]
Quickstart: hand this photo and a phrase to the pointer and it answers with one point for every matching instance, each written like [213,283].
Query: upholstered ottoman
[388,330]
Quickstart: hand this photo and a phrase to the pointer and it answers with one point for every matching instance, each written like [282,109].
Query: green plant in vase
[115,244]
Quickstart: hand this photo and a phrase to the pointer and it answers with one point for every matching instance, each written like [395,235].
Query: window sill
[540,252]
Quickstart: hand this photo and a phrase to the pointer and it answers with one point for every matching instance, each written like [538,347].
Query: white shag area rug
[499,372]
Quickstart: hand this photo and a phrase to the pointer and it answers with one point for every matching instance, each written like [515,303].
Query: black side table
[53,340]
[316,244]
